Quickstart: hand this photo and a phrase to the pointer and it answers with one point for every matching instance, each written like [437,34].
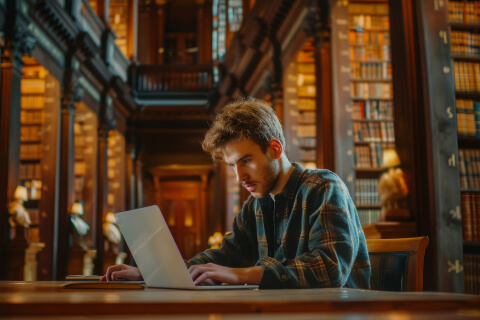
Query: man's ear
[276,147]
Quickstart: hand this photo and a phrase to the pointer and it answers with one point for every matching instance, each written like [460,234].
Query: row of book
[469,167]
[366,192]
[378,131]
[34,188]
[467,76]
[367,90]
[306,104]
[31,151]
[371,38]
[464,12]
[373,8]
[307,117]
[32,117]
[307,155]
[369,22]
[307,142]
[369,156]
[32,86]
[31,133]
[471,271]
[465,43]
[307,91]
[372,110]
[368,216]
[380,70]
[30,171]
[370,53]
[32,101]
[468,117]
[307,131]
[470,205]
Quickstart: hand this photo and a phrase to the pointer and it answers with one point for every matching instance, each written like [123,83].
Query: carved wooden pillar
[130,157]
[71,94]
[204,31]
[277,79]
[11,73]
[319,29]
[132,29]
[106,123]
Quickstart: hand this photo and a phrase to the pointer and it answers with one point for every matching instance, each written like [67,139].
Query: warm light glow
[300,79]
[20,193]
[390,158]
[77,208]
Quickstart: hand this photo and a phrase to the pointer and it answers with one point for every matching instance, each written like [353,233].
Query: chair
[397,264]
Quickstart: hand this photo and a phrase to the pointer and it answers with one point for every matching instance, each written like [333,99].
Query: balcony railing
[152,79]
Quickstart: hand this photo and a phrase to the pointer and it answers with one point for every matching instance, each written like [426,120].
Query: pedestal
[80,261]
[22,259]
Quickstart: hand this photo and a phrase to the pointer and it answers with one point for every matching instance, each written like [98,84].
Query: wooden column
[71,94]
[11,74]
[50,171]
[132,29]
[130,172]
[106,124]
[323,79]
[204,31]
[277,80]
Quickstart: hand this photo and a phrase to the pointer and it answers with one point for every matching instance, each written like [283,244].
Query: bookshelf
[116,171]
[118,22]
[371,94]
[464,23]
[32,127]
[85,150]
[300,107]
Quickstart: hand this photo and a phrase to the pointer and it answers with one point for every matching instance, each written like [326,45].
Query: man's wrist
[253,275]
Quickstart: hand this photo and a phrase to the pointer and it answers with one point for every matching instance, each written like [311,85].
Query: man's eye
[246,160]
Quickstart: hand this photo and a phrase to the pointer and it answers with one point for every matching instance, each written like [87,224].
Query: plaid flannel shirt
[316,239]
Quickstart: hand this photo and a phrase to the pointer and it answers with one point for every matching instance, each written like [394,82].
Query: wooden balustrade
[158,78]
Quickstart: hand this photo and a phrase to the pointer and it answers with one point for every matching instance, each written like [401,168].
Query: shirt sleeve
[332,247]
[235,252]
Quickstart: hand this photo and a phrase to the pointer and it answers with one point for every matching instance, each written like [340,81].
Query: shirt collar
[290,188]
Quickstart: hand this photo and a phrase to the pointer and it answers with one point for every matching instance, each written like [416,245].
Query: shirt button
[284,277]
[278,241]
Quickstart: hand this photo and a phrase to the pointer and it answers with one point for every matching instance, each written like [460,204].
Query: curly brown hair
[245,118]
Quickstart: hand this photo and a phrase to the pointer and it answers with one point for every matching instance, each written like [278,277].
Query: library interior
[105,103]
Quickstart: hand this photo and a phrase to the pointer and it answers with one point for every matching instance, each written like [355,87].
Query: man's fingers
[205,277]
[118,274]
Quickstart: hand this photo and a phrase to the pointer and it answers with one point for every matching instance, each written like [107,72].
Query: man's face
[257,171]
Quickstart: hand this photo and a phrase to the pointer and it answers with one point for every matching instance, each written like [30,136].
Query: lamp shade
[77,208]
[21,193]
[390,158]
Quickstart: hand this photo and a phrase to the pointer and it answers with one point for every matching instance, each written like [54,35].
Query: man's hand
[122,271]
[214,274]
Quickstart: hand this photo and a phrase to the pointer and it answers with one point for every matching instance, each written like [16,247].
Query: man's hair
[245,118]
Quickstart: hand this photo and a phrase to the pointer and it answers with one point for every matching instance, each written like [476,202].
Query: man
[299,228]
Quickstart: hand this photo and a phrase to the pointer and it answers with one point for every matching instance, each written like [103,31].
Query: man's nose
[241,176]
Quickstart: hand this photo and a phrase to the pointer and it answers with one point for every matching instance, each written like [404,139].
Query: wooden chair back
[397,264]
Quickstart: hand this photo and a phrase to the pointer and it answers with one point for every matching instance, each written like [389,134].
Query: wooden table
[48,299]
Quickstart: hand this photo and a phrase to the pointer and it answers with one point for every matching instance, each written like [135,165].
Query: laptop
[155,252]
